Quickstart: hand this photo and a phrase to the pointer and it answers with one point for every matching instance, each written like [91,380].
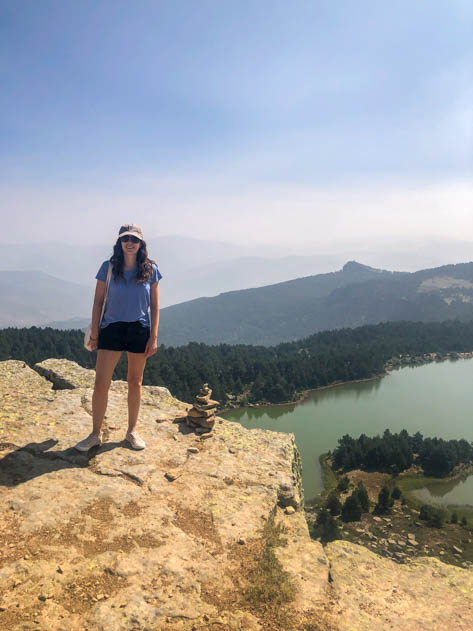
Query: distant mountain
[354,296]
[71,263]
[70,324]
[194,268]
[191,267]
[242,273]
[285,311]
[266,315]
[178,285]
[35,298]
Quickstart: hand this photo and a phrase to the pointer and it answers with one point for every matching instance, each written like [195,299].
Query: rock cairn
[201,416]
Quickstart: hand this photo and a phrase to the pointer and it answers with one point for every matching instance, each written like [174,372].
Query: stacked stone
[202,415]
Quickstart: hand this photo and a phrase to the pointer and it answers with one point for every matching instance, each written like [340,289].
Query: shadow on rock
[183,428]
[35,459]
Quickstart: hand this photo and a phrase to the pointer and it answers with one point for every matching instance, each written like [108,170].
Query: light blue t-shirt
[127,301]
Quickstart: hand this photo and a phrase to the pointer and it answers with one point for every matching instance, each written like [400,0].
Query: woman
[126,326]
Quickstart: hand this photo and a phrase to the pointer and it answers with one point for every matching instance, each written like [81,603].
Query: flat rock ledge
[162,539]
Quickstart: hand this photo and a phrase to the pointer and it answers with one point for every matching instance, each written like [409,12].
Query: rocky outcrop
[179,536]
[118,539]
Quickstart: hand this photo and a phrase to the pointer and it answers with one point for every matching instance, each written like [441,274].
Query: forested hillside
[273,374]
[352,297]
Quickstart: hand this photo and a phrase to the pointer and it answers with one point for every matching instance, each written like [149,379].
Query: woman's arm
[97,310]
[152,345]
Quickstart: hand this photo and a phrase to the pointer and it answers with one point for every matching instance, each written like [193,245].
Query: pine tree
[396,493]
[333,504]
[351,509]
[363,499]
[343,483]
[383,507]
[326,528]
[433,515]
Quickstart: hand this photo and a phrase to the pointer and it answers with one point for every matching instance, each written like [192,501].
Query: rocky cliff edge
[194,533]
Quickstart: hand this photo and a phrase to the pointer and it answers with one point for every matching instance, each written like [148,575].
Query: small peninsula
[369,497]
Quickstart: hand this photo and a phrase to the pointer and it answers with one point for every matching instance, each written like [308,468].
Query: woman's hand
[151,347]
[94,342]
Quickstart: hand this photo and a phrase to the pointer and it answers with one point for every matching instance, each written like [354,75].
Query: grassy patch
[329,477]
[270,589]
[261,585]
[269,584]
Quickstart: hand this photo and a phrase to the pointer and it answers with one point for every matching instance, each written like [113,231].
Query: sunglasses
[131,238]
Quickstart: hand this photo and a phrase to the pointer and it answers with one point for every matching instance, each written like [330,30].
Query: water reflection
[272,411]
[457,492]
[440,489]
[356,391]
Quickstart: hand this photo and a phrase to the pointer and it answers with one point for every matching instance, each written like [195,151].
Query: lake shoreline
[392,364]
[336,384]
[305,394]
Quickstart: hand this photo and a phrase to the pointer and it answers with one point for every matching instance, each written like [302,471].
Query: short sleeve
[103,271]
[156,275]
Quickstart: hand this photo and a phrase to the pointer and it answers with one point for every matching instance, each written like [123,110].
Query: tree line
[256,374]
[393,453]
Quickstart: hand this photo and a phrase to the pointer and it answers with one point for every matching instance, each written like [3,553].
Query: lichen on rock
[65,374]
[372,593]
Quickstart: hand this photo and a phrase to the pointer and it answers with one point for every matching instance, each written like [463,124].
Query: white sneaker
[91,441]
[135,440]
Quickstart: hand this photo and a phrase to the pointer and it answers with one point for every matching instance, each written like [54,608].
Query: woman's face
[130,244]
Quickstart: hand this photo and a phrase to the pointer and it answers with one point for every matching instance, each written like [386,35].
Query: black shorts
[124,336]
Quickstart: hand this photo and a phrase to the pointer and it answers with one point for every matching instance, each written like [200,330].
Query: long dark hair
[143,263]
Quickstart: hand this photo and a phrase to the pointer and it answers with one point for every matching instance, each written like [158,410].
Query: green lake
[435,399]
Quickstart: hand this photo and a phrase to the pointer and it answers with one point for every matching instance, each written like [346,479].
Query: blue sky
[232,119]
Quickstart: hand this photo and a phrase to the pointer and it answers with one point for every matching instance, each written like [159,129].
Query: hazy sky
[273,121]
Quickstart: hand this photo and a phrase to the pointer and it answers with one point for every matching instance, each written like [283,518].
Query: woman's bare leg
[136,366]
[106,363]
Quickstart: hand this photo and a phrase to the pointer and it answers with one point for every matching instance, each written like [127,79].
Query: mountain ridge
[31,297]
[193,268]
[355,295]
